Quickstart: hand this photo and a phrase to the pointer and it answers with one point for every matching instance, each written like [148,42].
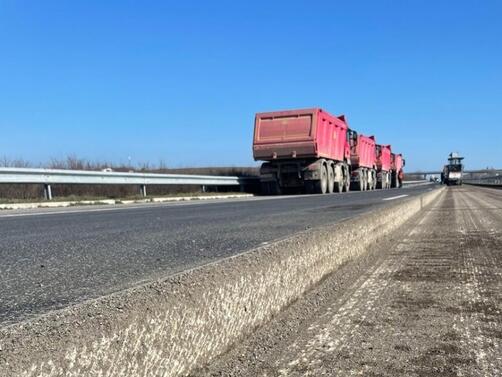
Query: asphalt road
[54,258]
[426,303]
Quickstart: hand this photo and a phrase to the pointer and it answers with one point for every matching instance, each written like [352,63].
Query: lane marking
[395,197]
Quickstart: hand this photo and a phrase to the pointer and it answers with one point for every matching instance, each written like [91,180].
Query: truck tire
[321,186]
[360,185]
[339,177]
[374,176]
[339,185]
[394,181]
[331,178]
[346,177]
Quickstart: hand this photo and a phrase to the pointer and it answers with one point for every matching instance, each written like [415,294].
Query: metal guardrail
[48,177]
[495,181]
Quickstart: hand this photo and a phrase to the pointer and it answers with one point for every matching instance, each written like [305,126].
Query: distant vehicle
[453,171]
[315,152]
[107,170]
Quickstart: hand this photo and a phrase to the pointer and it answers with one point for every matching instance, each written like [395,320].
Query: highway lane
[54,258]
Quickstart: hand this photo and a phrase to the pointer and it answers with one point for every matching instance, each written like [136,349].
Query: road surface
[427,303]
[58,257]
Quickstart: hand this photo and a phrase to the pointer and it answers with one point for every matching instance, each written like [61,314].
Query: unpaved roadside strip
[427,302]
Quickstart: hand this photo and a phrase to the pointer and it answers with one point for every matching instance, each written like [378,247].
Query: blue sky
[180,81]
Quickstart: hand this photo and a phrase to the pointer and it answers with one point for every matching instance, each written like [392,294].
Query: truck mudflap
[286,174]
[312,172]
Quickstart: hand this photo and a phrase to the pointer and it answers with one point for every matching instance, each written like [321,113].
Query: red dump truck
[383,153]
[304,149]
[312,151]
[397,173]
[363,161]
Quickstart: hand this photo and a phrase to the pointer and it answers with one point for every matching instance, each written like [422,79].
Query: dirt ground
[427,303]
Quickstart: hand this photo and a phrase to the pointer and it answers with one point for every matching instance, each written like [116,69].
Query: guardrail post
[204,188]
[142,190]
[47,192]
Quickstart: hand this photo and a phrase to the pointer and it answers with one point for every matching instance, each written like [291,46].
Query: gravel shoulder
[427,302]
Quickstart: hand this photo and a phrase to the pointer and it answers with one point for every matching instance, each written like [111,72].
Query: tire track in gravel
[480,320]
[346,326]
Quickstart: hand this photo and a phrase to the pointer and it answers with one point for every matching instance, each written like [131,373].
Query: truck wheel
[339,185]
[339,177]
[331,179]
[346,177]
[321,186]
[394,182]
[360,185]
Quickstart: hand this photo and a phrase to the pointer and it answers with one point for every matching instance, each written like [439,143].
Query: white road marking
[395,197]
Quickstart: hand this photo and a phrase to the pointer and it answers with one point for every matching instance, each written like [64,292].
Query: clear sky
[180,81]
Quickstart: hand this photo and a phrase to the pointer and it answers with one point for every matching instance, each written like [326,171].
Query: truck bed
[305,133]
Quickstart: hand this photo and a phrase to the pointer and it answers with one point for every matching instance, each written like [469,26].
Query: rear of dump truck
[305,150]
[383,154]
[363,159]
